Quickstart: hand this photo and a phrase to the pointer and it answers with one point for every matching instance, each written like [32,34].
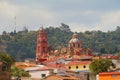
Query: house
[116,62]
[59,77]
[36,71]
[109,76]
[78,66]
[39,72]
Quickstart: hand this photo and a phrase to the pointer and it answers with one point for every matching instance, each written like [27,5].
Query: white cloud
[7,9]
[25,16]
[111,18]
[7,14]
[108,21]
[76,27]
[36,15]
[41,16]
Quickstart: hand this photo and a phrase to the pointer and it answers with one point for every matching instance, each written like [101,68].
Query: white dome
[74,40]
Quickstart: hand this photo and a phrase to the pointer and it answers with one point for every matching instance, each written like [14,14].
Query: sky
[80,15]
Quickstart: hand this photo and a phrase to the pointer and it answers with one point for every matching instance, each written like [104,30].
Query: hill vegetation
[22,44]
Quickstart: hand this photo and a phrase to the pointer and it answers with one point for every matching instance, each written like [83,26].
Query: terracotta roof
[109,73]
[45,68]
[63,77]
[49,61]
[56,65]
[38,68]
[87,55]
[24,65]
[18,63]
[110,56]
[78,63]
[52,65]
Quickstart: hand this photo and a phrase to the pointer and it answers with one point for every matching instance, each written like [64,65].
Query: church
[42,45]
[74,48]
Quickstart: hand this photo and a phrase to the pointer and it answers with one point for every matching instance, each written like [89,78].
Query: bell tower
[42,45]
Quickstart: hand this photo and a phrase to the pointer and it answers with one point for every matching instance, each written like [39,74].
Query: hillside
[22,44]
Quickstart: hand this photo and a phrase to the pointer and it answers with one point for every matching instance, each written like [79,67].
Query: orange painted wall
[109,77]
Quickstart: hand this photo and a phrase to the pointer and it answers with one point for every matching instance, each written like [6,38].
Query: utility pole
[15,24]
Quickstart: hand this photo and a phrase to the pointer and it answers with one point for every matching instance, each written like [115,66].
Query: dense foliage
[101,65]
[6,59]
[18,72]
[22,44]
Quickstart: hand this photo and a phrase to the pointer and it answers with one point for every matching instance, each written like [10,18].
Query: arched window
[73,45]
[76,67]
[84,66]
[69,67]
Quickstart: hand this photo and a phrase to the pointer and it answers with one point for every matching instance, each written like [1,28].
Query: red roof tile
[45,68]
[109,73]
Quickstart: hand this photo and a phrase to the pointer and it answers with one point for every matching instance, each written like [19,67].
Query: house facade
[39,72]
[78,66]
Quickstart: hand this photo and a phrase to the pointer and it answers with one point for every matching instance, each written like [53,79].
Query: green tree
[8,60]
[102,50]
[100,65]
[87,77]
[64,27]
[18,72]
[22,44]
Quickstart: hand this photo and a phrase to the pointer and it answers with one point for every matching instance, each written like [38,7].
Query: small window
[69,67]
[84,66]
[43,75]
[73,45]
[76,67]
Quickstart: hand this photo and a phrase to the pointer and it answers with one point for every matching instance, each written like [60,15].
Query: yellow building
[78,65]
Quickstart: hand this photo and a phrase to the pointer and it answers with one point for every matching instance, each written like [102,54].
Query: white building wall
[97,77]
[38,74]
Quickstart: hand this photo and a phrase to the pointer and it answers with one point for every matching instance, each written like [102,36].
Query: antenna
[41,27]
[15,24]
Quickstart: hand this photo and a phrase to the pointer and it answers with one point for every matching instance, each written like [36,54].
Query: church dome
[74,40]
